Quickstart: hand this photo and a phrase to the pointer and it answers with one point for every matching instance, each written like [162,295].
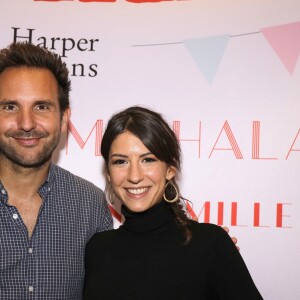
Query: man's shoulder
[74,182]
[81,198]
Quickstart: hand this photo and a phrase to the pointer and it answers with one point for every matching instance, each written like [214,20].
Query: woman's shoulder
[210,227]
[206,230]
[102,238]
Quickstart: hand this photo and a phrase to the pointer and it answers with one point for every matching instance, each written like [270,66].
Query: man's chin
[34,164]
[29,163]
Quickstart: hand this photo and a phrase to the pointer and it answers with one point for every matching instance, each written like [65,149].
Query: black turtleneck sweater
[145,259]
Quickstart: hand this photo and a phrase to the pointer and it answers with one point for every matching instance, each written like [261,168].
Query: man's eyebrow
[7,101]
[46,101]
[36,101]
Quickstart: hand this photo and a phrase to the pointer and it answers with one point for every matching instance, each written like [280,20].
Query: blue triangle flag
[207,53]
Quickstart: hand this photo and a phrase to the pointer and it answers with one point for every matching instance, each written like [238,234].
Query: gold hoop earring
[176,196]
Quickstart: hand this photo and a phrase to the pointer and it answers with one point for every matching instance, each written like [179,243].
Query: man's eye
[9,107]
[42,107]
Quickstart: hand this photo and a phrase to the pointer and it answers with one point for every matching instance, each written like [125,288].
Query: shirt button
[30,250]
[30,288]
[15,216]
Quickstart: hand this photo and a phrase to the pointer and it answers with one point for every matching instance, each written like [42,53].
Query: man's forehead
[28,85]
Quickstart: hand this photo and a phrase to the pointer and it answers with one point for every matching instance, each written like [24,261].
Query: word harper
[61,45]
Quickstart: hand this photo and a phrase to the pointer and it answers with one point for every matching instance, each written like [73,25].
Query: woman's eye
[118,162]
[149,159]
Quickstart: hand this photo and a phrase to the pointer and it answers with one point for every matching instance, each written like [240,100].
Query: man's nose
[26,120]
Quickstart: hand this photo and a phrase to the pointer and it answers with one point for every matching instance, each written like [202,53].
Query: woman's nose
[135,173]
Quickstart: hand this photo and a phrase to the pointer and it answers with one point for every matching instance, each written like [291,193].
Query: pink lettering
[234,146]
[99,128]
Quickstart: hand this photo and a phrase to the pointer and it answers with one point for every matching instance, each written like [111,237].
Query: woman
[158,253]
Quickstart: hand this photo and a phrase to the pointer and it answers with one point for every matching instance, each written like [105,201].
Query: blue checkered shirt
[50,264]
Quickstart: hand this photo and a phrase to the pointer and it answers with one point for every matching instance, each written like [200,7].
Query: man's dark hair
[25,54]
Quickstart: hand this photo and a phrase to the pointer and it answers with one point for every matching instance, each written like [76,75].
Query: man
[47,214]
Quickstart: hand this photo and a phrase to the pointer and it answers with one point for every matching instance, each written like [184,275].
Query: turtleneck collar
[150,220]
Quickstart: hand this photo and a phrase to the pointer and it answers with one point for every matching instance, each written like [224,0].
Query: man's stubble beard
[10,153]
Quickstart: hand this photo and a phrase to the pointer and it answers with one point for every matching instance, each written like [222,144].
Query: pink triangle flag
[285,41]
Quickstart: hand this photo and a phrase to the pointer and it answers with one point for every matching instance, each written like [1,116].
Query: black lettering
[92,44]
[65,48]
[43,43]
[75,69]
[16,37]
[94,72]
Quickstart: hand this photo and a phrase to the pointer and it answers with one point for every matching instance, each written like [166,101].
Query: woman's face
[137,177]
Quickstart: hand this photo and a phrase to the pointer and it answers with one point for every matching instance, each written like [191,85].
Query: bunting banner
[208,51]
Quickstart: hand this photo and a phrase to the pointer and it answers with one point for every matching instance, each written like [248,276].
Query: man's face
[30,118]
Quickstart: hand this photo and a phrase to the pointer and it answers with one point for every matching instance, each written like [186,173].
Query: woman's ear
[171,172]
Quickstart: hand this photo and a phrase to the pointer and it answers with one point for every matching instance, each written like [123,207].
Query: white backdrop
[225,74]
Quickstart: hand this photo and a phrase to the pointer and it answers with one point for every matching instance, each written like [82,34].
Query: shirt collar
[47,185]
[43,189]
